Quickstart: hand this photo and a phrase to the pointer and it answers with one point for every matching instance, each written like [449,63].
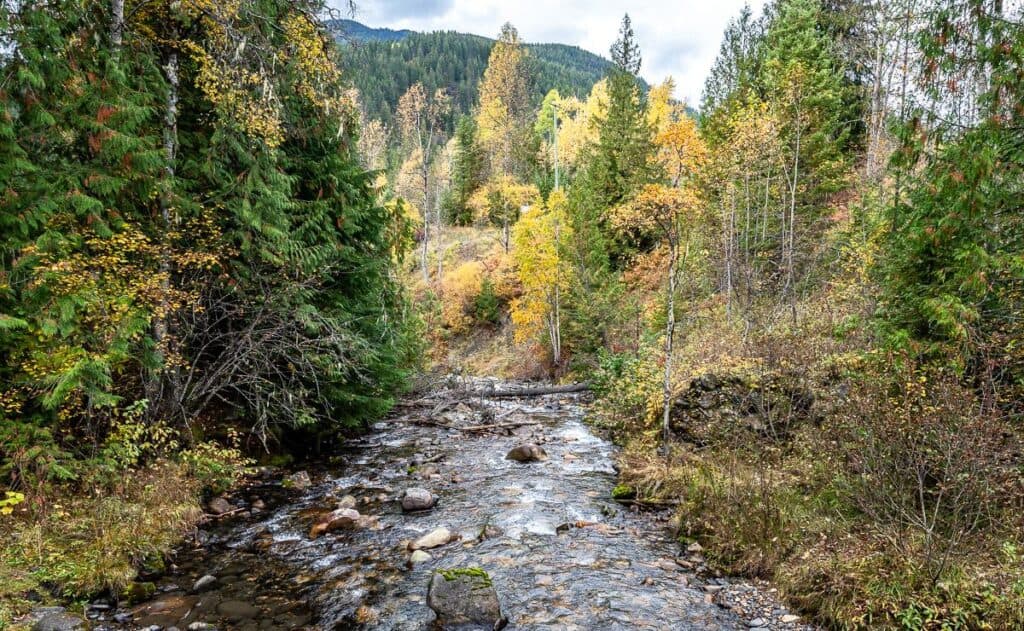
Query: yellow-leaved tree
[539,240]
[500,202]
[503,118]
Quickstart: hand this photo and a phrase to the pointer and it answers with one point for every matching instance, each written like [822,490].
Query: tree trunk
[670,327]
[170,142]
[117,24]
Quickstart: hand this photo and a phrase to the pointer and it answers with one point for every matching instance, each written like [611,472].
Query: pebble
[790,618]
[757,622]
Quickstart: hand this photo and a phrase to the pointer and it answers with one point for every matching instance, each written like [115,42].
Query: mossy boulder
[138,592]
[464,598]
[623,492]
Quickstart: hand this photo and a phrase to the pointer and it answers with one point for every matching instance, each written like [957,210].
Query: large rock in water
[417,499]
[527,453]
[465,599]
[56,619]
[343,518]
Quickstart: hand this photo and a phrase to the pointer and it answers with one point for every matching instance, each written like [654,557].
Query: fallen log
[478,428]
[538,391]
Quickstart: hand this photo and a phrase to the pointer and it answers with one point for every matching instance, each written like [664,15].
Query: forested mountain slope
[383,64]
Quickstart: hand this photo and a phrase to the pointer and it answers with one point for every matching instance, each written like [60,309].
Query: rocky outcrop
[716,407]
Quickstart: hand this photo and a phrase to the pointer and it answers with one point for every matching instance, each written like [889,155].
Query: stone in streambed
[433,539]
[57,619]
[204,583]
[417,499]
[299,480]
[419,556]
[465,598]
[219,506]
[343,518]
[527,453]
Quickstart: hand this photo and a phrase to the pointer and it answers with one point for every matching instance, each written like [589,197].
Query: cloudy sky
[678,38]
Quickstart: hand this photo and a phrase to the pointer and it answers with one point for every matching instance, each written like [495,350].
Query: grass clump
[106,517]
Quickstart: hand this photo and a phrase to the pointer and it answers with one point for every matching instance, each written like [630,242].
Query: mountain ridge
[383,63]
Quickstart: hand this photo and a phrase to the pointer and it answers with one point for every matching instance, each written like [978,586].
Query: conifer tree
[621,161]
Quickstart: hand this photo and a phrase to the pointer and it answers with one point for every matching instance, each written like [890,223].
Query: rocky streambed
[431,491]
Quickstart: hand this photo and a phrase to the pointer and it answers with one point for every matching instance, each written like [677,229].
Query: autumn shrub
[460,288]
[929,467]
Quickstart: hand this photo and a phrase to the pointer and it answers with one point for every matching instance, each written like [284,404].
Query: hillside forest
[231,237]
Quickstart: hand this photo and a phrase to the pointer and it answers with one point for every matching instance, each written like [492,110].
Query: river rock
[419,556]
[790,618]
[347,501]
[433,539]
[527,453]
[219,506]
[59,620]
[336,520]
[299,480]
[417,499]
[464,598]
[204,583]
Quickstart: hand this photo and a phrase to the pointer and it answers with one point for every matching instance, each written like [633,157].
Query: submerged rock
[237,610]
[433,539]
[417,499]
[465,598]
[526,453]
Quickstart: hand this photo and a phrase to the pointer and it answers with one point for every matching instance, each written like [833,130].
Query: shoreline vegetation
[798,308]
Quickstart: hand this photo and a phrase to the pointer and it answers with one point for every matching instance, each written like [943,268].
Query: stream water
[562,554]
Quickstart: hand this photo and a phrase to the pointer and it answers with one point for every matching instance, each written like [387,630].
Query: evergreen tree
[467,171]
[176,206]
[953,275]
[621,162]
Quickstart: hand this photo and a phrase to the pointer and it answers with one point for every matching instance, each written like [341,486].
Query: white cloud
[678,38]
